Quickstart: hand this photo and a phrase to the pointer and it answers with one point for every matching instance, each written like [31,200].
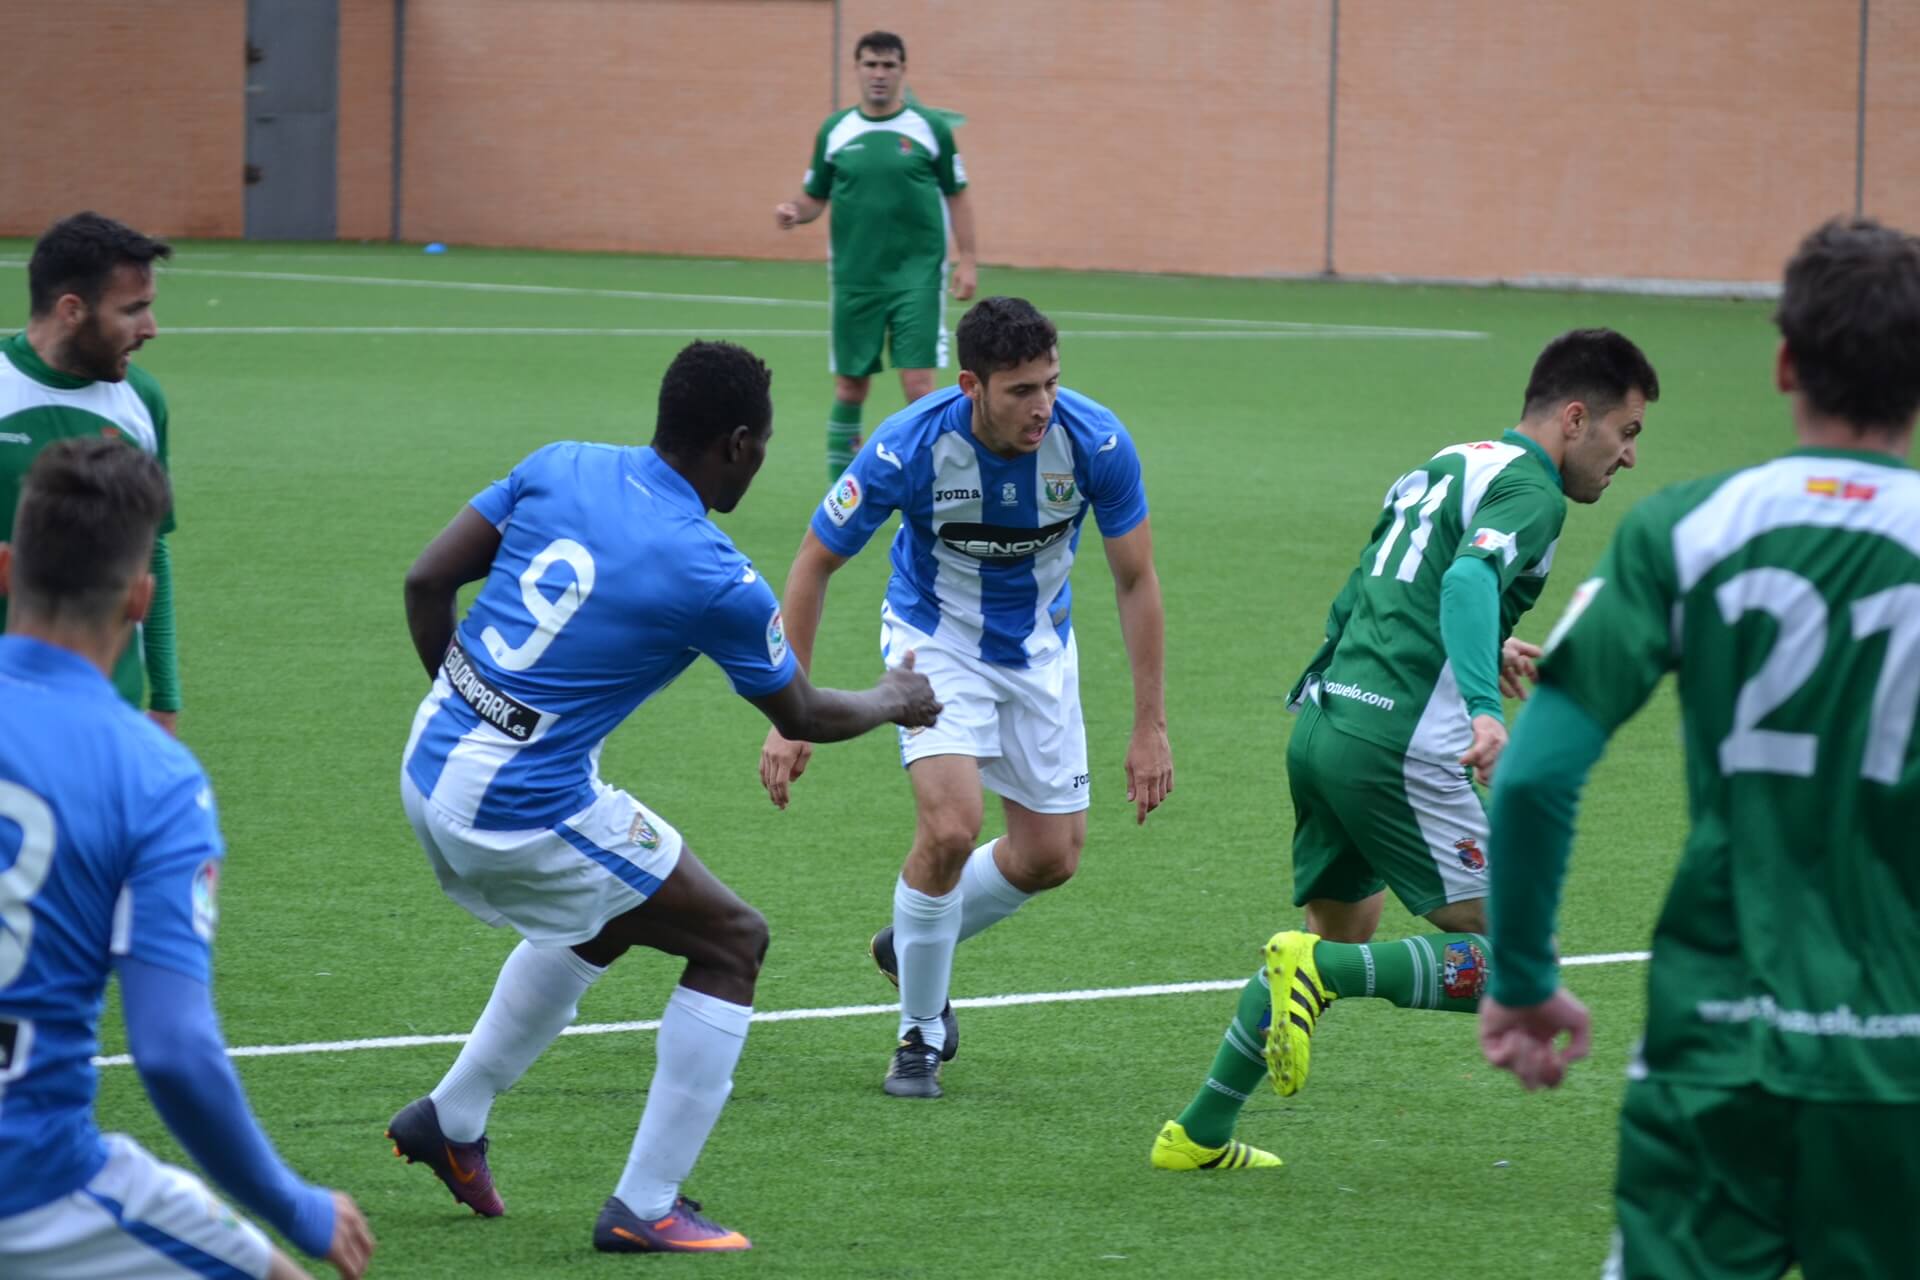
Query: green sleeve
[150,395]
[1470,632]
[819,180]
[1535,797]
[949,169]
[163,663]
[1615,640]
[1514,525]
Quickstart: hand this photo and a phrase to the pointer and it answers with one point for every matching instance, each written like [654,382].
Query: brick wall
[1478,138]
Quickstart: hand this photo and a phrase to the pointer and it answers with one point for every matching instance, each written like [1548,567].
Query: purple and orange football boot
[683,1230]
[417,1139]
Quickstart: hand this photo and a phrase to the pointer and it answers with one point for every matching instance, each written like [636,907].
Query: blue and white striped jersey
[109,847]
[609,581]
[985,542]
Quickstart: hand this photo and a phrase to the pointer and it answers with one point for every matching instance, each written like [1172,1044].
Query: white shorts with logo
[1022,724]
[560,885]
[137,1218]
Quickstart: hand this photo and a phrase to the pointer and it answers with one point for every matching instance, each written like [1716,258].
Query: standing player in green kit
[1773,1114]
[894,177]
[1401,701]
[90,307]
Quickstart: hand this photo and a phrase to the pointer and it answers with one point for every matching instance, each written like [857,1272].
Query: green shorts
[1725,1184]
[1366,818]
[862,323]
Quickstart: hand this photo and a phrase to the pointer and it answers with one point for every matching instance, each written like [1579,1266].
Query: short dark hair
[1850,314]
[85,524]
[709,389]
[999,333]
[1598,366]
[78,254]
[880,42]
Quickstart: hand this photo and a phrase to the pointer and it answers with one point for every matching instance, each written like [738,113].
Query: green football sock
[843,437]
[1238,1068]
[1430,971]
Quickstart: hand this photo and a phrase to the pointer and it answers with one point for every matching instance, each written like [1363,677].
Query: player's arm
[798,211]
[460,553]
[1143,625]
[158,641]
[784,755]
[966,272]
[1604,658]
[815,189]
[803,713]
[161,954]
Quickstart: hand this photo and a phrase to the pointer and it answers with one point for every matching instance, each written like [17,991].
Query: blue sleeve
[1114,484]
[170,901]
[1470,632]
[870,490]
[177,1049]
[741,631]
[495,502]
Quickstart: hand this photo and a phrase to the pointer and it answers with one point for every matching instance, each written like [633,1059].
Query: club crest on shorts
[1463,971]
[1467,849]
[1059,486]
[642,832]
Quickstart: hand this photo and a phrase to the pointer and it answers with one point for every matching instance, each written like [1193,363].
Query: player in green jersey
[1398,706]
[90,287]
[1773,1115]
[894,178]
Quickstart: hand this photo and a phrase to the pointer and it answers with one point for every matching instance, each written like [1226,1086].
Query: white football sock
[986,895]
[700,1041]
[536,996]
[925,931]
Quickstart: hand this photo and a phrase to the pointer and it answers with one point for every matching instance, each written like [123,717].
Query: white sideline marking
[502,331]
[805,1015]
[728,299]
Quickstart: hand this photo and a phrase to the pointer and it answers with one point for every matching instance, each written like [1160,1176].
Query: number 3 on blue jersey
[548,615]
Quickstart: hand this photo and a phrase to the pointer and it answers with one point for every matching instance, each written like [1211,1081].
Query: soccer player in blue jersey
[993,480]
[604,580]
[112,856]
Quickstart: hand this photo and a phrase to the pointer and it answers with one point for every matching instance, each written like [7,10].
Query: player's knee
[1047,866]
[948,838]
[850,390]
[742,941]
[1460,917]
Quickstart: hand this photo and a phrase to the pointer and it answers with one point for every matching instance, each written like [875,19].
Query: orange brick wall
[108,106]
[1480,138]
[364,208]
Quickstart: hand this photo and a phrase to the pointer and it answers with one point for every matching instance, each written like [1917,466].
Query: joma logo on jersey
[956,495]
[996,542]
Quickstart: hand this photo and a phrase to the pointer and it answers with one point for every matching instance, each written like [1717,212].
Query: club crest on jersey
[642,832]
[776,638]
[906,145]
[1463,971]
[1467,849]
[843,500]
[206,893]
[1058,485]
[1009,494]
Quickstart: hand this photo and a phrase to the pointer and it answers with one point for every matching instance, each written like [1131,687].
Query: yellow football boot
[1299,998]
[1173,1149]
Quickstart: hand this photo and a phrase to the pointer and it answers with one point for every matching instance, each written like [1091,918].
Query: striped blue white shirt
[986,542]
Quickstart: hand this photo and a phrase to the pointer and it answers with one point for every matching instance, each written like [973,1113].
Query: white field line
[516,331]
[811,304]
[805,1015]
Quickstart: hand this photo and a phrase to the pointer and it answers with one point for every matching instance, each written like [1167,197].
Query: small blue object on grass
[436,247]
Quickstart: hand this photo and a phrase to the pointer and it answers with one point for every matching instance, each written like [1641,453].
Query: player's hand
[1149,770]
[1517,663]
[1523,1041]
[918,707]
[1489,740]
[782,760]
[352,1240]
[966,278]
[168,720]
[786,215]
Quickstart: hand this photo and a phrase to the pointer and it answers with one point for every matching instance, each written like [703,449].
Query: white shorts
[560,885]
[135,1219]
[1021,723]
